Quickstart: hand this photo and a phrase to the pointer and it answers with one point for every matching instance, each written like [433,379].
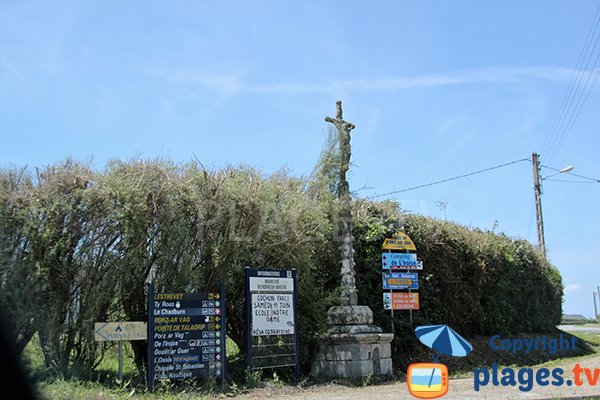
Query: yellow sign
[129,330]
[398,241]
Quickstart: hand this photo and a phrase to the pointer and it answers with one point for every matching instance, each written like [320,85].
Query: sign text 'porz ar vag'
[186,335]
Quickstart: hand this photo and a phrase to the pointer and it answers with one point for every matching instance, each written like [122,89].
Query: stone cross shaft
[348,274]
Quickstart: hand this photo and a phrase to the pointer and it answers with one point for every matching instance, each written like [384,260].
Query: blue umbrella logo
[430,380]
[444,340]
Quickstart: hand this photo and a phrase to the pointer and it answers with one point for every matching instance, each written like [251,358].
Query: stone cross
[348,274]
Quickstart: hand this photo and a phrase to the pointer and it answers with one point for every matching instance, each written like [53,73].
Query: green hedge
[82,242]
[479,283]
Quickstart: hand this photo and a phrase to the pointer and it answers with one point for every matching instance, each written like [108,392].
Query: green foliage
[20,280]
[77,246]
[480,283]
[83,244]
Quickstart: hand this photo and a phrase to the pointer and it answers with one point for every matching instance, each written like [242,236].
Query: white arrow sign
[128,330]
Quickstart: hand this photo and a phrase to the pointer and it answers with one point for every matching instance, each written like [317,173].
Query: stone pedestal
[353,347]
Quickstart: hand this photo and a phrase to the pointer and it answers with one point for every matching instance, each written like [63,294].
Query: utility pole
[598,288]
[537,189]
[595,307]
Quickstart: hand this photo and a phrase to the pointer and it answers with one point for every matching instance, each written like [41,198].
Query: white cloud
[572,288]
[233,83]
[450,78]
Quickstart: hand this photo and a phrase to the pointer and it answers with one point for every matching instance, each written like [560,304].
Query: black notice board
[186,335]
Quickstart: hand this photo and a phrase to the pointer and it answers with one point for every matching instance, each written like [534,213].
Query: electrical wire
[594,180]
[449,179]
[585,94]
[566,181]
[568,114]
[572,84]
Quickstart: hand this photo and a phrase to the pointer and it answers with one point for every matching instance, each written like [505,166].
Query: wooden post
[537,190]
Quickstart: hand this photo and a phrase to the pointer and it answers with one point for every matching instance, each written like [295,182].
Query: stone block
[353,355]
[386,366]
[350,368]
[353,352]
[349,315]
[364,338]
[354,329]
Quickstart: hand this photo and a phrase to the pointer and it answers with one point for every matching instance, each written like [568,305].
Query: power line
[566,181]
[585,94]
[568,114]
[585,177]
[572,84]
[594,180]
[449,179]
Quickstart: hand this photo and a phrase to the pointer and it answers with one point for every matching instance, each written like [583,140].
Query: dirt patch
[459,389]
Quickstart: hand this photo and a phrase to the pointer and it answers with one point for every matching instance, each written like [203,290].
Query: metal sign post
[223,337]
[400,254]
[120,347]
[410,311]
[150,344]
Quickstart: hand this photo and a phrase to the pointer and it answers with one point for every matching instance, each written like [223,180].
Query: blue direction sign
[400,280]
[399,260]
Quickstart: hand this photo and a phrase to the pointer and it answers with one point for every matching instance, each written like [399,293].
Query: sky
[436,89]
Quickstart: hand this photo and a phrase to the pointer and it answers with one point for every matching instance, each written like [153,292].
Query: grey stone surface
[353,352]
[355,329]
[386,366]
[348,355]
[351,368]
[360,338]
[354,346]
[348,273]
[349,315]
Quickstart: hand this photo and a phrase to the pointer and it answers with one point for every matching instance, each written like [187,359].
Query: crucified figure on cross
[348,274]
[343,129]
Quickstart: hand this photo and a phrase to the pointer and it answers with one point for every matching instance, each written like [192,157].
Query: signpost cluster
[271,318]
[186,335]
[398,262]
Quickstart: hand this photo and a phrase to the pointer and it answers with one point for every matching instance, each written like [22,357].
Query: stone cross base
[354,347]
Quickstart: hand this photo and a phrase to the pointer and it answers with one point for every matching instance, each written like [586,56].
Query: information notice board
[186,335]
[271,319]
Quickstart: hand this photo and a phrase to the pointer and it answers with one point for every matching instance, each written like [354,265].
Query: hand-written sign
[272,314]
[187,335]
[272,338]
[114,331]
[399,241]
[400,280]
[272,302]
[401,301]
